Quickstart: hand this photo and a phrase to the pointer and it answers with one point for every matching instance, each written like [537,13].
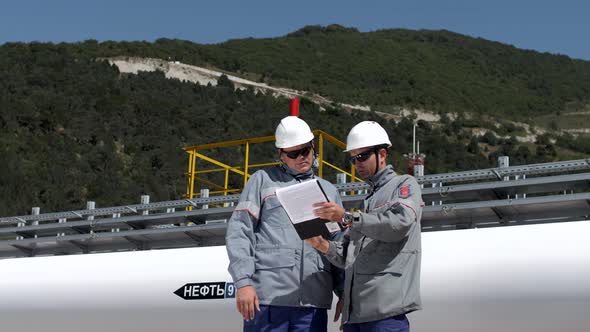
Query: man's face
[365,161]
[298,158]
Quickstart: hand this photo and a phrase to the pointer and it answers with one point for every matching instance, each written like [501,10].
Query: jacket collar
[298,176]
[381,178]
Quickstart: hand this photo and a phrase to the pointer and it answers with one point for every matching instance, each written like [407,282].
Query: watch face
[347,218]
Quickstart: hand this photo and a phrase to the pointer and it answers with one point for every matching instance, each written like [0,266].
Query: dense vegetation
[389,69]
[436,70]
[74,129]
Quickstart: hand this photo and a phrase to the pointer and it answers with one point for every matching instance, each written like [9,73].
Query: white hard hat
[292,131]
[365,134]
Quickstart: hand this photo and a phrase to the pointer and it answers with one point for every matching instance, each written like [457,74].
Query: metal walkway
[539,193]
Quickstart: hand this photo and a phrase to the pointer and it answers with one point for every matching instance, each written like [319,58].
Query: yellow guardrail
[205,177]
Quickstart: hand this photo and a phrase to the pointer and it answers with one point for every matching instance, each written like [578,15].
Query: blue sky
[547,26]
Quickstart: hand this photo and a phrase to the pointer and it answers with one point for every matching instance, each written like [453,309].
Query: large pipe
[517,278]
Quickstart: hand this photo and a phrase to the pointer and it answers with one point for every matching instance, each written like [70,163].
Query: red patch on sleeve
[405,192]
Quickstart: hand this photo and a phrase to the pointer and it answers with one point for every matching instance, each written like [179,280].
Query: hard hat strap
[376,160]
[376,150]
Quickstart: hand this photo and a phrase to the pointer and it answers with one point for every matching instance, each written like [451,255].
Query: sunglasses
[301,152]
[363,156]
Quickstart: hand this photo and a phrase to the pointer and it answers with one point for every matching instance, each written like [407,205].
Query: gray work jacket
[265,251]
[381,251]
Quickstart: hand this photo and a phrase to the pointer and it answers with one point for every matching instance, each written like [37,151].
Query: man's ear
[383,156]
[279,155]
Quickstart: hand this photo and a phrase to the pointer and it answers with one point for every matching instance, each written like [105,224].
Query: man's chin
[303,168]
[362,175]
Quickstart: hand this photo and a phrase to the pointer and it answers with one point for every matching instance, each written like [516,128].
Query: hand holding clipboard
[298,201]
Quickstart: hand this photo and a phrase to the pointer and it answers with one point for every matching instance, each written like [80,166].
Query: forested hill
[73,128]
[434,70]
[389,69]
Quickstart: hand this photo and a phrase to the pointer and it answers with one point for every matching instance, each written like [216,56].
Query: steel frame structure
[538,193]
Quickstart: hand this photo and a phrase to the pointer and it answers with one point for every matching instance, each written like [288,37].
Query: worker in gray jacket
[282,283]
[381,250]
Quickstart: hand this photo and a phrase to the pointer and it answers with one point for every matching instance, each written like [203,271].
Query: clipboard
[298,200]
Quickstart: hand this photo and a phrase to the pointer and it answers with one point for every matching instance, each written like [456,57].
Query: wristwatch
[347,219]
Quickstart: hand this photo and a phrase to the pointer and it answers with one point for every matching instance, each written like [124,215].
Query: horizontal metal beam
[437,217]
[465,176]
[474,192]
[134,209]
[494,173]
[489,190]
[471,203]
[108,223]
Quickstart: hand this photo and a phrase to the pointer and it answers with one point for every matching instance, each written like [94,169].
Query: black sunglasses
[363,156]
[301,152]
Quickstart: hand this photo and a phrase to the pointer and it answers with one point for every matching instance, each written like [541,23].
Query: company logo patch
[405,192]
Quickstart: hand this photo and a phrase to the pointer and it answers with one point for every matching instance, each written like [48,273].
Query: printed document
[298,201]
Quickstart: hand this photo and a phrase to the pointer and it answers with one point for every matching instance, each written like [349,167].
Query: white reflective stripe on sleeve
[388,204]
[249,207]
[268,192]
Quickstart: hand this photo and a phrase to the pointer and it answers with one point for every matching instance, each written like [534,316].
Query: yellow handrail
[196,154]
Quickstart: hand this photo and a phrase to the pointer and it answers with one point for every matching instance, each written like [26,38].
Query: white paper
[298,200]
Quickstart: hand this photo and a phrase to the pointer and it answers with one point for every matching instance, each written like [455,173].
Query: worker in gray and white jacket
[282,283]
[381,250]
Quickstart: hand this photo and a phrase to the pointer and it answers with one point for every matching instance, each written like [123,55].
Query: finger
[338,311]
[251,310]
[319,209]
[321,214]
[242,310]
[257,303]
[311,242]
